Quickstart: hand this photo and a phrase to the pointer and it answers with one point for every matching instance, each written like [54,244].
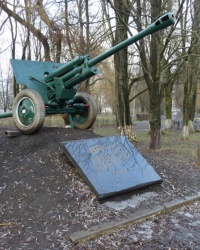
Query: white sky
[5,45]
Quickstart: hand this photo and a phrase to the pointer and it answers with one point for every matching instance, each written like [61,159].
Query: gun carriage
[51,87]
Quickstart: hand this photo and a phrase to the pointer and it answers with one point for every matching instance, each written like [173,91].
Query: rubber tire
[88,119]
[37,108]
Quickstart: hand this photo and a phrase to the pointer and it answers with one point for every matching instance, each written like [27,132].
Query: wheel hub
[26,111]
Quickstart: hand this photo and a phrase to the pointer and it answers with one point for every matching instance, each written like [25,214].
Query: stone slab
[110,165]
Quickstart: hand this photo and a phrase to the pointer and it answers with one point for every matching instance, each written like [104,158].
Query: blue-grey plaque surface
[110,165]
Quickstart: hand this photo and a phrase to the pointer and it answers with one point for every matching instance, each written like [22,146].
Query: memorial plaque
[110,165]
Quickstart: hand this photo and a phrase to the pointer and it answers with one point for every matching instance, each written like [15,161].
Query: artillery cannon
[50,87]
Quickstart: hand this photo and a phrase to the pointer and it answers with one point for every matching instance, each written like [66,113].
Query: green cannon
[51,87]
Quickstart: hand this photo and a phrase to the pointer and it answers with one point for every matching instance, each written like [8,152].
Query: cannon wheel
[28,111]
[86,116]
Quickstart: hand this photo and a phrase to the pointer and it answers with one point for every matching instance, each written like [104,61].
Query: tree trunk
[191,73]
[154,120]
[55,31]
[168,107]
[67,27]
[154,89]
[190,88]
[186,111]
[185,132]
[168,98]
[14,35]
[121,65]
[151,70]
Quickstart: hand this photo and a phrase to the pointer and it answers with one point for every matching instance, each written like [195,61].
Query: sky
[5,44]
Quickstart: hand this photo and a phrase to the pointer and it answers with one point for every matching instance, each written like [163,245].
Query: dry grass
[171,141]
[172,144]
[6,121]
[198,153]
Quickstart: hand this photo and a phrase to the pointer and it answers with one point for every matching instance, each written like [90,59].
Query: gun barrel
[162,23]
[65,68]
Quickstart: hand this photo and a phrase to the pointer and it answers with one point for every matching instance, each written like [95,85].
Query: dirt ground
[43,199]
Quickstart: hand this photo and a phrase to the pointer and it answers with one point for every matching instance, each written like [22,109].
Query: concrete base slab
[137,217]
[13,133]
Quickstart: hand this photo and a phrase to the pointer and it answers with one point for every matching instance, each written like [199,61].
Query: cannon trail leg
[28,111]
[85,116]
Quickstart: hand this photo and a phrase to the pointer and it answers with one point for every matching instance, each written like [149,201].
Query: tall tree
[5,91]
[54,30]
[151,72]
[192,72]
[36,32]
[156,61]
[122,13]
